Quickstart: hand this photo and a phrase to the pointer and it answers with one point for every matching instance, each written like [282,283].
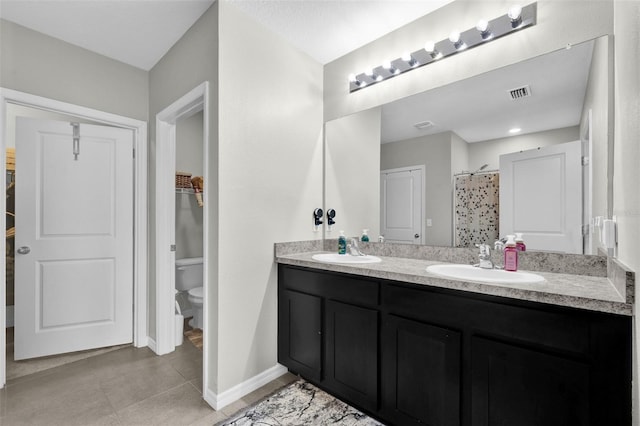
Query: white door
[401,205]
[74,238]
[541,196]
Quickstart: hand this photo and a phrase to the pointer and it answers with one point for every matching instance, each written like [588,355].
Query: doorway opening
[189,105]
[10,98]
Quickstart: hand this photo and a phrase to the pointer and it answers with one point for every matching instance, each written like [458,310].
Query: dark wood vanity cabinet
[328,332]
[421,374]
[411,354]
[300,333]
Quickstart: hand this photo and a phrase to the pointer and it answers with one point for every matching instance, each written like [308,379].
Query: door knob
[416,236]
[24,250]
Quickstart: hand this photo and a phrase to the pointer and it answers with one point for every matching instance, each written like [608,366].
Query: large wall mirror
[442,168]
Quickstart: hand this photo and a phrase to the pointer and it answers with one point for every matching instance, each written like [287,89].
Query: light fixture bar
[480,34]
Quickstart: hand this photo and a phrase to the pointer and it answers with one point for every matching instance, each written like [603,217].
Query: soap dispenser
[365,235]
[342,243]
[520,245]
[510,254]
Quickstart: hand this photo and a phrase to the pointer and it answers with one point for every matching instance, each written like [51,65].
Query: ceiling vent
[520,92]
[423,125]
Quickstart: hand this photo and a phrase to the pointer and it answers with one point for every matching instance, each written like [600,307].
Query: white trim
[139,129]
[219,401]
[194,101]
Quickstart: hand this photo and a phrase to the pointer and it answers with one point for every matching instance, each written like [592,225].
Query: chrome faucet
[354,250]
[485,256]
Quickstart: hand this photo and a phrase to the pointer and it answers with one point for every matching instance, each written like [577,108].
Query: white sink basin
[473,273]
[344,258]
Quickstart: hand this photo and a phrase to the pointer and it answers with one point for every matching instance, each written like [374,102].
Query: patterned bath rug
[300,404]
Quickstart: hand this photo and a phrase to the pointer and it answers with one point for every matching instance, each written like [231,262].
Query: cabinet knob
[319,332]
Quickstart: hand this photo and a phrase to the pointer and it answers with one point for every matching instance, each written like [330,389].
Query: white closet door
[401,205]
[74,238]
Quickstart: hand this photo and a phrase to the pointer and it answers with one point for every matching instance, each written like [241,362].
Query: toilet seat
[197,293]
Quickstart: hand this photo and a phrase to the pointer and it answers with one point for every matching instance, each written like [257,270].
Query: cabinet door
[512,385]
[300,333]
[421,373]
[352,353]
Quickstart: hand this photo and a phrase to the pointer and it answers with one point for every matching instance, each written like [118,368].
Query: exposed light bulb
[430,48]
[515,15]
[406,56]
[389,67]
[482,26]
[352,78]
[369,72]
[454,38]
[515,12]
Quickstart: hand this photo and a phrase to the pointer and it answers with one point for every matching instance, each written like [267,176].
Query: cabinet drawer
[491,316]
[356,290]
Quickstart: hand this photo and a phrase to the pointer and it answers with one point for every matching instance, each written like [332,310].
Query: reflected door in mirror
[402,206]
[541,196]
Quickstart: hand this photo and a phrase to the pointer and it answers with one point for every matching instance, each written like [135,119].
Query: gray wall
[357,206]
[599,99]
[626,197]
[488,152]
[190,62]
[270,168]
[41,65]
[434,152]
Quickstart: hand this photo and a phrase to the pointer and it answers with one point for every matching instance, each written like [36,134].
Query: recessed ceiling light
[515,130]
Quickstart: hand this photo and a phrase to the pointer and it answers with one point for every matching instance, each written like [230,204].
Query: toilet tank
[188,273]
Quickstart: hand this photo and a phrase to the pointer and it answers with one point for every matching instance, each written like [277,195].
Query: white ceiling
[140,32]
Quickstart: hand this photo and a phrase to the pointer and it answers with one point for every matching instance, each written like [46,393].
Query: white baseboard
[219,401]
[9,317]
[151,343]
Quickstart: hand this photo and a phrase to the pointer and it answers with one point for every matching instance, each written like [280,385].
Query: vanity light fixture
[516,19]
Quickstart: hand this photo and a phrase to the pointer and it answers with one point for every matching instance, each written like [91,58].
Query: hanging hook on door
[76,140]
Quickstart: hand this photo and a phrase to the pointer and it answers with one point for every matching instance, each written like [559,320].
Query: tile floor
[128,386]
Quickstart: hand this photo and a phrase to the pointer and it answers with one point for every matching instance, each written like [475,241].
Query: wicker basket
[183,180]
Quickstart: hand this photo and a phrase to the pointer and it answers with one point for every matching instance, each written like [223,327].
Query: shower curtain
[477,208]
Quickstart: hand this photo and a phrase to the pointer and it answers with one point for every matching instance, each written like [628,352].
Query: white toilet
[189,277]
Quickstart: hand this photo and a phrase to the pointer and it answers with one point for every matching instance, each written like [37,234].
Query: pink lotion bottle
[510,255]
[520,242]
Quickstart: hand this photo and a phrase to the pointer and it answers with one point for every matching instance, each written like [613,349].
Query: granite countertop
[588,292]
